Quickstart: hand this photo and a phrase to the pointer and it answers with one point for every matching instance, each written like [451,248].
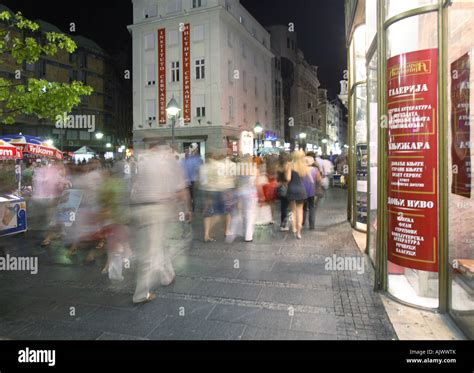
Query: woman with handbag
[296,194]
[283,167]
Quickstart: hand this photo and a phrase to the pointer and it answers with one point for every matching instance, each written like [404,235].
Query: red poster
[187,73]
[413,160]
[162,77]
[461,126]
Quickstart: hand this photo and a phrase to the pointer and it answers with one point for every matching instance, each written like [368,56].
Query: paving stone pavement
[276,288]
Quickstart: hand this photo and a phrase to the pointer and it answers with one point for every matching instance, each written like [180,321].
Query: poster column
[412,97]
[187,73]
[162,77]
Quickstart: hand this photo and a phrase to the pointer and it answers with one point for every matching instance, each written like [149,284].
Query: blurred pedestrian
[296,190]
[159,185]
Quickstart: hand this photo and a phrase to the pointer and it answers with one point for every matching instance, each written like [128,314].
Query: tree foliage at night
[19,44]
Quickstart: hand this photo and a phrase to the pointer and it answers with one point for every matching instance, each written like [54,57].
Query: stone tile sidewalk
[274,288]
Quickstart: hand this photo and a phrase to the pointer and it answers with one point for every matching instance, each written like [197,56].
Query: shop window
[413,226]
[372,86]
[460,140]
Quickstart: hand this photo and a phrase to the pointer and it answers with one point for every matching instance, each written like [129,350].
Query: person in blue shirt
[192,164]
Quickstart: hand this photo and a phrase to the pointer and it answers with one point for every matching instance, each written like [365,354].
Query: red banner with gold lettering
[162,77]
[187,73]
[412,98]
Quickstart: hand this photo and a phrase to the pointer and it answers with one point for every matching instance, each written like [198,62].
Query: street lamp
[99,136]
[172,109]
[303,137]
[258,129]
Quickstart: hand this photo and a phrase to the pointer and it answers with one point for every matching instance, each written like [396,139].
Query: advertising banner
[12,215]
[187,73]
[412,98]
[461,126]
[162,77]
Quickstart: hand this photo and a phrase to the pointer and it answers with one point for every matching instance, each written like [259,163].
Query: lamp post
[325,150]
[258,129]
[303,137]
[172,109]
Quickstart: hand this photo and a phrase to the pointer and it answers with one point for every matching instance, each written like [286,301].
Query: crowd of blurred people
[126,208]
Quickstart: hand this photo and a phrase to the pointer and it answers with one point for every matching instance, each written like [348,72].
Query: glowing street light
[99,136]
[172,109]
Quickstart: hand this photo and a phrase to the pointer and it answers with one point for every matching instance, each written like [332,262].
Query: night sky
[319,24]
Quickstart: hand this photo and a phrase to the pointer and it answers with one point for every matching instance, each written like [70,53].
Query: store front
[410,148]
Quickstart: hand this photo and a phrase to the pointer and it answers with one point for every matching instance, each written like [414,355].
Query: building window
[293,44]
[231,107]
[150,75]
[198,33]
[288,45]
[84,136]
[174,6]
[309,105]
[244,50]
[244,111]
[175,71]
[200,68]
[228,5]
[244,80]
[173,38]
[230,71]
[242,20]
[199,3]
[151,11]
[151,110]
[256,114]
[200,102]
[256,86]
[149,42]
[83,60]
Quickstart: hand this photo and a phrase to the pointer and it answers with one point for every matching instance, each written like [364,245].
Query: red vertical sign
[187,73]
[461,126]
[162,76]
[413,160]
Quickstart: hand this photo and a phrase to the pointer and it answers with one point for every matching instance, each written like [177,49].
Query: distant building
[214,58]
[105,108]
[300,85]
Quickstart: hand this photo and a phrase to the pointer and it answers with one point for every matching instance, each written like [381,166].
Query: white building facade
[214,58]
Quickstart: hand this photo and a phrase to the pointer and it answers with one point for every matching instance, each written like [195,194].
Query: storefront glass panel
[361,157]
[373,151]
[461,137]
[394,7]
[412,72]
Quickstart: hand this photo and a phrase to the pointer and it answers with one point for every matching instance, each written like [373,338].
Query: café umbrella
[32,146]
[8,151]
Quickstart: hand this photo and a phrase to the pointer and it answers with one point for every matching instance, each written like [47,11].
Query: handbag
[282,190]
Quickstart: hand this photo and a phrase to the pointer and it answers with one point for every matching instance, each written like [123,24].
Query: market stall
[12,207]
